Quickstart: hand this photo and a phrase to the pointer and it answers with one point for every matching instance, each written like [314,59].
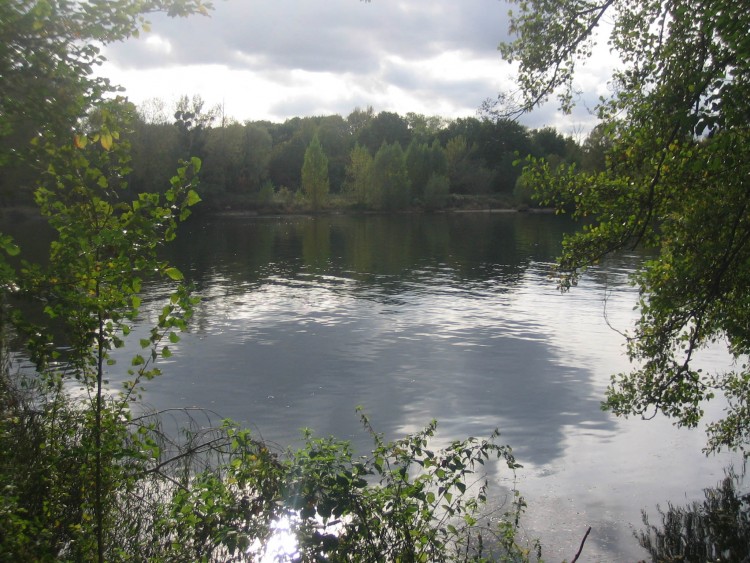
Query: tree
[676,140]
[49,50]
[334,135]
[193,123]
[436,191]
[391,178]
[155,148]
[54,117]
[359,118]
[287,159]
[424,128]
[359,176]
[48,79]
[594,149]
[386,127]
[466,175]
[547,141]
[419,166]
[315,174]
[90,286]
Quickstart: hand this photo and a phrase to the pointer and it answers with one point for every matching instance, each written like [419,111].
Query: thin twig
[580,549]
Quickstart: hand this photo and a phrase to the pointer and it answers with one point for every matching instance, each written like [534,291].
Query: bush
[436,192]
[266,193]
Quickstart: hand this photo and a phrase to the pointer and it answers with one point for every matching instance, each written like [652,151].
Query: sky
[278,59]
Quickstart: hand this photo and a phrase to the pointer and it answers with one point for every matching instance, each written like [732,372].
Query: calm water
[452,317]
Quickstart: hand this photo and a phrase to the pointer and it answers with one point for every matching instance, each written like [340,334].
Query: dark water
[452,317]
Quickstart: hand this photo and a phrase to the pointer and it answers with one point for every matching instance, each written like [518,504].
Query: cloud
[275,59]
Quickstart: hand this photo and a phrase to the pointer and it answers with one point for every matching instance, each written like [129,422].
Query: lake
[449,316]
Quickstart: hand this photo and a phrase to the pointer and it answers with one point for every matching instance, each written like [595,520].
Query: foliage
[359,176]
[465,174]
[405,502]
[436,192]
[219,494]
[77,455]
[390,178]
[315,174]
[90,292]
[49,51]
[238,158]
[419,167]
[266,193]
[523,193]
[718,529]
[676,146]
[193,123]
[89,288]
[386,127]
[48,54]
[163,498]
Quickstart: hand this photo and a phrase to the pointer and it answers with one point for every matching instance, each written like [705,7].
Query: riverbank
[337,206]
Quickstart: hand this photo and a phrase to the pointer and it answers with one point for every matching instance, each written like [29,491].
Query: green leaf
[106,141]
[7,244]
[174,274]
[192,198]
[196,162]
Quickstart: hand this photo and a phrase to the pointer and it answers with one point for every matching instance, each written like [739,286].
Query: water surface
[453,317]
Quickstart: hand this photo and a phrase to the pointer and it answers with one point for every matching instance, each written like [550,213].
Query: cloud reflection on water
[414,318]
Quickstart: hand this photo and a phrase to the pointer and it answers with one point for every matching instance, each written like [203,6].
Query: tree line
[366,160]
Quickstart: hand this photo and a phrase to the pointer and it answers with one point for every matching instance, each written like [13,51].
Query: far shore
[18,213]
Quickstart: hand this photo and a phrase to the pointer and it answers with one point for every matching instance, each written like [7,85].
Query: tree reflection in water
[718,529]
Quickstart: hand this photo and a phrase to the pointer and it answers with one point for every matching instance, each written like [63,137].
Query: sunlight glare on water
[282,545]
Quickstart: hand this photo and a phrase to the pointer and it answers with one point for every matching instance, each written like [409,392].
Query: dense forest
[374,160]
[371,161]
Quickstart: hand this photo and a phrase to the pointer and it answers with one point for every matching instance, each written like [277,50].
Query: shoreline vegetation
[366,161]
[30,213]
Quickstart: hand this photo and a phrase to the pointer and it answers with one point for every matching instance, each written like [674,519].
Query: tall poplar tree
[391,177]
[315,174]
[359,175]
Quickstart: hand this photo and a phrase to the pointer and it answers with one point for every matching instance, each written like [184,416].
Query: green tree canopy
[49,51]
[315,174]
[385,127]
[676,140]
[419,166]
[359,176]
[390,177]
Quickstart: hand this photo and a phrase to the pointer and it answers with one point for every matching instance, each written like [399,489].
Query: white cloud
[158,44]
[277,59]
